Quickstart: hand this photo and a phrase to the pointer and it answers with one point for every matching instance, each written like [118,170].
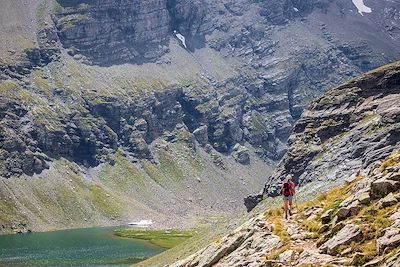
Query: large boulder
[390,240]
[201,135]
[251,201]
[349,233]
[349,207]
[241,154]
[287,256]
[382,187]
[326,216]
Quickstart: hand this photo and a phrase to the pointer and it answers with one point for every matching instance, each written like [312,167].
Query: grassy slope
[17,30]
[371,219]
[68,196]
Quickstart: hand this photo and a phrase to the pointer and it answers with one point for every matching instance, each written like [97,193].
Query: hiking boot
[286,216]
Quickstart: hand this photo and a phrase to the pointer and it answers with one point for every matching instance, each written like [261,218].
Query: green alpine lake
[80,247]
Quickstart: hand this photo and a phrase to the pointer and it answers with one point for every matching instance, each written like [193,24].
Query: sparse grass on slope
[165,239]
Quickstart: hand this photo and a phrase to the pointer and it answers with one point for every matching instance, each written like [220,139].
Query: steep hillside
[108,98]
[347,140]
[348,129]
[353,225]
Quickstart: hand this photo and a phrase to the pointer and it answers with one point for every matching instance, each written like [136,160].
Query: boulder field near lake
[174,111]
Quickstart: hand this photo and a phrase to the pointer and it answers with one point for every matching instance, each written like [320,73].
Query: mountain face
[348,140]
[350,128]
[93,91]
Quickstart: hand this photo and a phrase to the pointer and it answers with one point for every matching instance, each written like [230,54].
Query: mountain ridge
[74,107]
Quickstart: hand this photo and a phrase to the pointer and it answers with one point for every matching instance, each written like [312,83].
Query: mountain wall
[350,128]
[89,81]
[344,154]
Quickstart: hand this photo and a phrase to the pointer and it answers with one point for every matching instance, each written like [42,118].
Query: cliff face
[350,128]
[114,31]
[344,152]
[90,80]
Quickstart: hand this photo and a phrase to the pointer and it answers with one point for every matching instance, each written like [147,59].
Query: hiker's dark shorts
[289,198]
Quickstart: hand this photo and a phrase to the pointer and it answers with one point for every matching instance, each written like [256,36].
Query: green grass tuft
[164,239]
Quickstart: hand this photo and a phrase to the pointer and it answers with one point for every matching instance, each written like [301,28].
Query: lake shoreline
[87,246]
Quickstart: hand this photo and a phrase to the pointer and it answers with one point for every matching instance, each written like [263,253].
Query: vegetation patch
[274,216]
[8,212]
[168,166]
[164,239]
[153,171]
[103,201]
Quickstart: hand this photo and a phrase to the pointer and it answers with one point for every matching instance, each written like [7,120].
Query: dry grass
[393,160]
[274,255]
[274,216]
[311,226]
[331,199]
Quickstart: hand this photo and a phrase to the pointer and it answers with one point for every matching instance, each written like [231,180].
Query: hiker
[288,191]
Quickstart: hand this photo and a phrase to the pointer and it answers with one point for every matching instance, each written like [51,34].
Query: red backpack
[287,191]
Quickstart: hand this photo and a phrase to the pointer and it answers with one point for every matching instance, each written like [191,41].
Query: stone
[337,227]
[201,135]
[391,239]
[287,256]
[393,261]
[375,262]
[349,233]
[395,177]
[346,251]
[382,187]
[388,201]
[395,216]
[241,154]
[323,228]
[364,198]
[251,201]
[351,178]
[312,212]
[326,216]
[347,211]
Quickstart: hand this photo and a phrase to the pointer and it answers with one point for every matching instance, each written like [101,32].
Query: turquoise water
[82,247]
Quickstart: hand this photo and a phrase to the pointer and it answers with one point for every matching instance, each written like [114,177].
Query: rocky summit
[175,110]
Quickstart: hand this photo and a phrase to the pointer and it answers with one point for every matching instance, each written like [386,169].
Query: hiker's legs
[290,205]
[286,206]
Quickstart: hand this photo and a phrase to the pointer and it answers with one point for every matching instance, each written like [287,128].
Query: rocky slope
[348,129]
[353,225]
[347,140]
[91,89]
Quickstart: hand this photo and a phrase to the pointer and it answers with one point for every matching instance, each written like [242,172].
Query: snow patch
[362,8]
[181,38]
[142,223]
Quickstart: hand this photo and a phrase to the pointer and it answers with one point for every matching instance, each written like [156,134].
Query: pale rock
[364,198]
[387,201]
[391,239]
[287,256]
[349,233]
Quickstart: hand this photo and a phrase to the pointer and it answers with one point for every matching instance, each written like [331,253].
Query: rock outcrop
[314,235]
[88,81]
[350,128]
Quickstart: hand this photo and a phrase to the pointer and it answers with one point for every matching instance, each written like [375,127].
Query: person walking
[287,192]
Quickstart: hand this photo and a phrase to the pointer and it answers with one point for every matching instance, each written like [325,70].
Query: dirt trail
[302,241]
